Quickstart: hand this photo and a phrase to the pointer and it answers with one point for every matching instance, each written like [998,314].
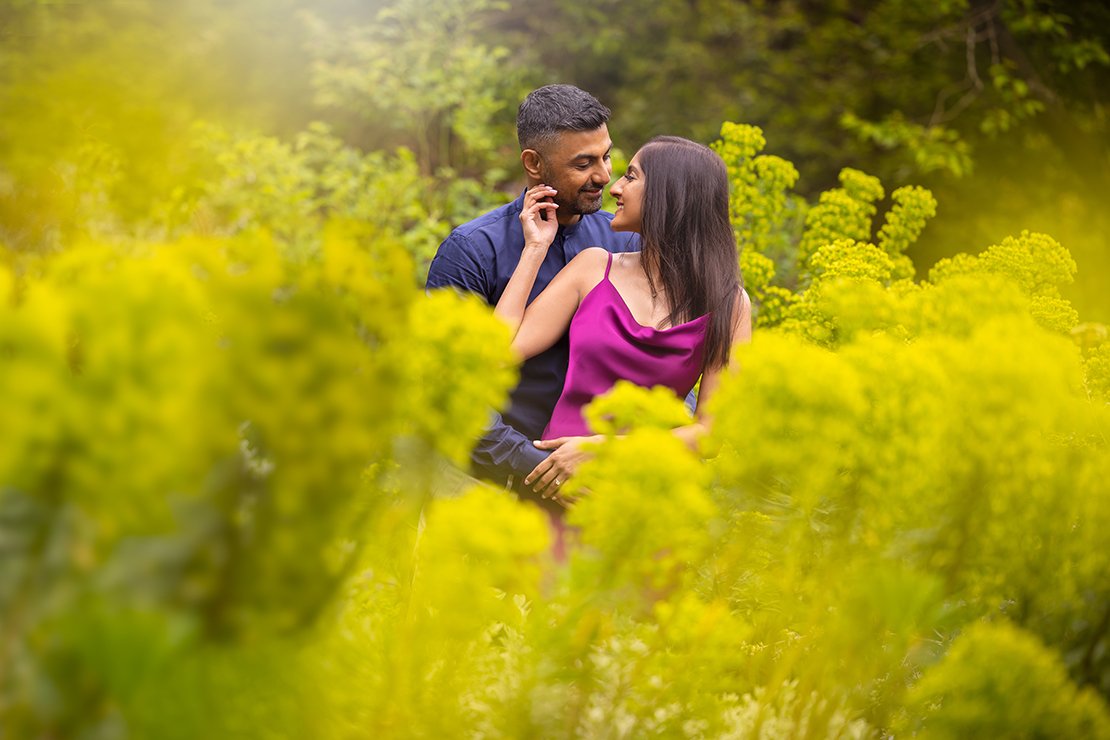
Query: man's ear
[532,162]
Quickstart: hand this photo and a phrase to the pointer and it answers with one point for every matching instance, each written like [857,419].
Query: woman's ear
[532,162]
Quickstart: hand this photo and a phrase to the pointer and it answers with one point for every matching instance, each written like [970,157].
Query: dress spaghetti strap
[607,266]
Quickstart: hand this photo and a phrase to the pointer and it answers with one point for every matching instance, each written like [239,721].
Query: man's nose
[602,174]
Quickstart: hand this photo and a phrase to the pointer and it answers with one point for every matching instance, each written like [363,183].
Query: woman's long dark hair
[686,238]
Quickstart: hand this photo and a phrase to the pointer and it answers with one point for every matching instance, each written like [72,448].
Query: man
[564,142]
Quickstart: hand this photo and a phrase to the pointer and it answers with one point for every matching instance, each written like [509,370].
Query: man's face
[577,165]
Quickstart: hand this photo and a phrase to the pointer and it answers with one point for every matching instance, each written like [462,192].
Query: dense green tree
[998,106]
[925,79]
[429,72]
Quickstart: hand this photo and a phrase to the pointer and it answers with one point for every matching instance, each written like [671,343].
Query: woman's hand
[569,453]
[555,306]
[539,233]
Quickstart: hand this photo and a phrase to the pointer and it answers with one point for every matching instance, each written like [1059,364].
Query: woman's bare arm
[538,235]
[538,326]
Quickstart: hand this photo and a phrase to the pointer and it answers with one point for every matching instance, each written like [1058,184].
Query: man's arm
[458,264]
[502,451]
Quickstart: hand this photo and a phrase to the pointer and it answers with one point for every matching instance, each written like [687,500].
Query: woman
[665,315]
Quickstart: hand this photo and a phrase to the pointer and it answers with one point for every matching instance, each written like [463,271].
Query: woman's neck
[649,264]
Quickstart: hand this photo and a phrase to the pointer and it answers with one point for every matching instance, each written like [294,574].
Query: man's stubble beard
[592,206]
[578,205]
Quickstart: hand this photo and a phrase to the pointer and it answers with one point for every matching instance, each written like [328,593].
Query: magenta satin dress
[607,344]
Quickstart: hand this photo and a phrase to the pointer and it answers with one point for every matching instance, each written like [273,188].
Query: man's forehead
[575,144]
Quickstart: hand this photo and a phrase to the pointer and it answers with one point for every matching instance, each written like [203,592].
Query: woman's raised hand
[538,232]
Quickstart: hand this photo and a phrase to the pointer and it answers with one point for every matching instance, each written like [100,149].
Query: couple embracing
[651,294]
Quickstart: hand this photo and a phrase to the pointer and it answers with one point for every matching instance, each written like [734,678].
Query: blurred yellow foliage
[221,452]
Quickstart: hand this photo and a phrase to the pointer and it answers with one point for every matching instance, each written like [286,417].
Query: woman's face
[629,192]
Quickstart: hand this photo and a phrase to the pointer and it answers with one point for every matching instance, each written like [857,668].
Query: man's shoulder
[494,221]
[599,216]
[468,256]
[595,231]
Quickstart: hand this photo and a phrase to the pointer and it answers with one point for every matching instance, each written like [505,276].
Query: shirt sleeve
[503,451]
[459,264]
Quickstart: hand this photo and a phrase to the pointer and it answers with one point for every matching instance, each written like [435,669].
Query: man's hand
[568,454]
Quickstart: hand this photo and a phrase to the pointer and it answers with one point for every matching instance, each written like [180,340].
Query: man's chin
[587,205]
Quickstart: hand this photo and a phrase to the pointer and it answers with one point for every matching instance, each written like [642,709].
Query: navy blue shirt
[480,257]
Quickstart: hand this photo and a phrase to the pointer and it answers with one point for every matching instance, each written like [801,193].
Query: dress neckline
[627,310]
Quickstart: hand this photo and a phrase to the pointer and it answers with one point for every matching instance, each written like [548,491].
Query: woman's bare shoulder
[589,264]
[590,257]
[742,318]
[586,269]
[627,259]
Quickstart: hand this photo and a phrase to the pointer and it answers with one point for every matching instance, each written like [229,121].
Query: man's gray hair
[552,109]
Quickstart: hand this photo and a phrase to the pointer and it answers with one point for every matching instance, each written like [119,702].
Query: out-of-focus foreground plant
[199,437]
[217,510]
